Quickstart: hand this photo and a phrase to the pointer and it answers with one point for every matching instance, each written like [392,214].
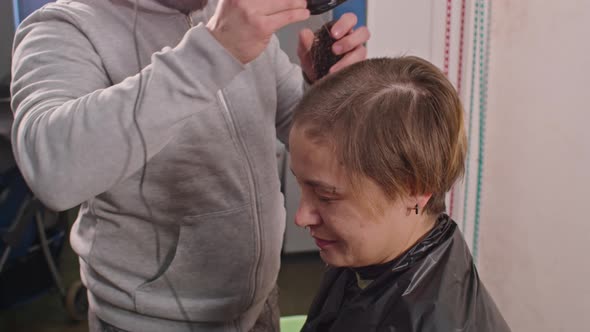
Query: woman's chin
[332,259]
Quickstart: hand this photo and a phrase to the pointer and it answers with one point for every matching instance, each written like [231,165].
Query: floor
[298,280]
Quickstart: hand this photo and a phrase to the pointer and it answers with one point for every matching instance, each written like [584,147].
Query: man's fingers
[306,38]
[351,41]
[344,25]
[354,56]
[276,6]
[284,18]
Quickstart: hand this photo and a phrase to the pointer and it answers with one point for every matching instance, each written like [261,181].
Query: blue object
[23,8]
[15,13]
[358,7]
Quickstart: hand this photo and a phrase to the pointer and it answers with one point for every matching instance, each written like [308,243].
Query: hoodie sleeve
[290,88]
[74,134]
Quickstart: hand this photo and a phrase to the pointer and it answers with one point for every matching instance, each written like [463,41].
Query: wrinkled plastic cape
[434,286]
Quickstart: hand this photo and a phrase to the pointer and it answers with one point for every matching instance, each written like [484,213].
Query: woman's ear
[418,202]
[422,200]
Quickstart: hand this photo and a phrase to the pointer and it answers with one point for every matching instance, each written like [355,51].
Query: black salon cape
[434,286]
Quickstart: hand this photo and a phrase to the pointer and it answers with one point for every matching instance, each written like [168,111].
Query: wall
[537,234]
[534,235]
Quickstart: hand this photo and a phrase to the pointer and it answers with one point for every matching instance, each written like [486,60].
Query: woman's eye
[325,196]
[325,199]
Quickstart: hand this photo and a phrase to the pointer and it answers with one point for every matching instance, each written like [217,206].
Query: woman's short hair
[397,121]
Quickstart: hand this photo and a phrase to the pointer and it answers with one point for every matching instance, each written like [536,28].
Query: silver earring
[409,210]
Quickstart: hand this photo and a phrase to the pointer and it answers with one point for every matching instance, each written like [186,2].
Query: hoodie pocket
[210,276]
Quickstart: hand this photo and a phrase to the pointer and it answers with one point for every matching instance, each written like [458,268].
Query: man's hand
[350,43]
[245,27]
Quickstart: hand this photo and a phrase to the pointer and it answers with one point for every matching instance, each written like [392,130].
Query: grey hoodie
[201,244]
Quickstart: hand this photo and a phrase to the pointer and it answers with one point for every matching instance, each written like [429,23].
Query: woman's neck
[418,232]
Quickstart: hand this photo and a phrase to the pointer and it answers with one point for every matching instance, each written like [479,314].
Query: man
[159,117]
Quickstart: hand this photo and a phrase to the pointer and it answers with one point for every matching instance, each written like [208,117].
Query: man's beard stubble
[185,6]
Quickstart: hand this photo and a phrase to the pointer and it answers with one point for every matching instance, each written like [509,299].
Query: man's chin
[185,6]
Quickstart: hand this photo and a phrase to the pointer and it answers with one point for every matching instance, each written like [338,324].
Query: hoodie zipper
[189,20]
[251,183]
[253,190]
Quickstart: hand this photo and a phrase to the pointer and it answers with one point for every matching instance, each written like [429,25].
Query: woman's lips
[322,244]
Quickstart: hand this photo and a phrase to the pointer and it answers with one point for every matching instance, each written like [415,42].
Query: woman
[374,149]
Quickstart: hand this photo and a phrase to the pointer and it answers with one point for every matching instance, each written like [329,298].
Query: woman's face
[346,229]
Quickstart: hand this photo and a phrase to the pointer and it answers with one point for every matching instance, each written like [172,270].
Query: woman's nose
[307,214]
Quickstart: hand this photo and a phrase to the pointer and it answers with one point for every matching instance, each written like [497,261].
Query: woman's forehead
[312,158]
